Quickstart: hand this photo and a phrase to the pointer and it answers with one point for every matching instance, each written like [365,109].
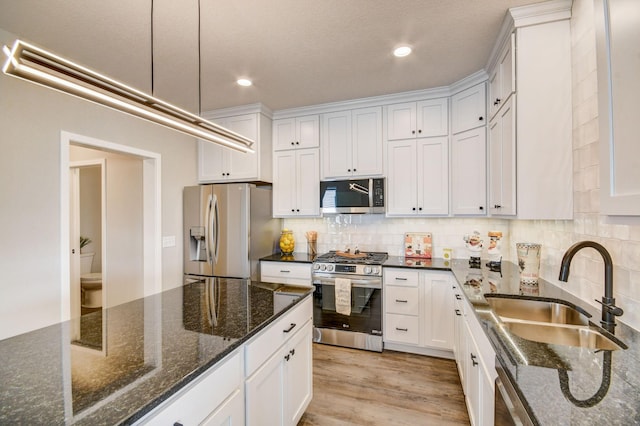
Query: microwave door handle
[370,192]
[358,188]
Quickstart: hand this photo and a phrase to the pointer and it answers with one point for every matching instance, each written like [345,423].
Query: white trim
[238,110]
[152,212]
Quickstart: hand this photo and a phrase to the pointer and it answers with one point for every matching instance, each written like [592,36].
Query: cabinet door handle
[458,297]
[497,101]
[348,170]
[400,279]
[413,132]
[413,208]
[402,301]
[473,360]
[497,206]
[354,170]
[292,352]
[481,208]
[419,131]
[293,325]
[293,143]
[177,424]
[419,208]
[458,313]
[287,356]
[297,210]
[402,329]
[481,118]
[284,271]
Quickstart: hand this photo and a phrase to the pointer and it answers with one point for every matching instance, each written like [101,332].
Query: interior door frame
[152,206]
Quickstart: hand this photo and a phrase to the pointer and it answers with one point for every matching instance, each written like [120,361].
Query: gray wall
[31,119]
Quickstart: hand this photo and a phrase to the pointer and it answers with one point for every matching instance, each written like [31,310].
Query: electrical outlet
[169,241]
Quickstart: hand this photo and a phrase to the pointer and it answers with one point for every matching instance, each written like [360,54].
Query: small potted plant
[83,242]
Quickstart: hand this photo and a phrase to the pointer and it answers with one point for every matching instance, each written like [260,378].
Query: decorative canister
[529,260]
[287,243]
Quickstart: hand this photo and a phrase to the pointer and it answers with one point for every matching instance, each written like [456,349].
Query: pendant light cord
[152,70]
[199,58]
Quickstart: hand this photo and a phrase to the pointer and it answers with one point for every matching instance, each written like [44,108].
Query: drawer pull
[287,356]
[402,329]
[401,301]
[458,297]
[400,279]
[293,325]
[458,313]
[284,272]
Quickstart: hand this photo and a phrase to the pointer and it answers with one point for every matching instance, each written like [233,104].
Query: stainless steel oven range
[361,328]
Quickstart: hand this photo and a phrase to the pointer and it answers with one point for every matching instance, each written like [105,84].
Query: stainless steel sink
[551,321]
[537,310]
[568,335]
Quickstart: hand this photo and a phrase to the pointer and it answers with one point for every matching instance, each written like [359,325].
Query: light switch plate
[169,241]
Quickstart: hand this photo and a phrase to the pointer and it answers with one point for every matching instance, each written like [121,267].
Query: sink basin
[536,310]
[550,321]
[568,335]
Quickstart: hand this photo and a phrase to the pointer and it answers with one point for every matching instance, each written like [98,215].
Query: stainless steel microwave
[354,196]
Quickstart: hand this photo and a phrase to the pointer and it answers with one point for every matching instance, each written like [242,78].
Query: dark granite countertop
[562,385]
[294,257]
[154,346]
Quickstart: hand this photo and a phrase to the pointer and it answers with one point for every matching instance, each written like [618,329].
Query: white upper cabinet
[469,173]
[468,109]
[298,132]
[502,160]
[352,143]
[418,177]
[220,164]
[417,119]
[502,77]
[296,183]
[618,52]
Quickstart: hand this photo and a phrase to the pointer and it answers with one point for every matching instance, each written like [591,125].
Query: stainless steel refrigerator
[227,229]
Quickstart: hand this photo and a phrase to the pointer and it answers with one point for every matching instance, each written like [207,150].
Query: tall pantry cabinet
[530,145]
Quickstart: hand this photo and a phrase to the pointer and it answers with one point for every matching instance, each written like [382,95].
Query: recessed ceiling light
[244,82]
[402,51]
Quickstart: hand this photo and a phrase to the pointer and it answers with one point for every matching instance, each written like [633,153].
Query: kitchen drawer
[262,346]
[286,273]
[402,329]
[203,396]
[401,276]
[401,300]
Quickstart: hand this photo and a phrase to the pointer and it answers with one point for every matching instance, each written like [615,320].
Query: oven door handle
[360,283]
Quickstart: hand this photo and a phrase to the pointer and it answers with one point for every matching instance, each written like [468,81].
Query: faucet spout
[609,309]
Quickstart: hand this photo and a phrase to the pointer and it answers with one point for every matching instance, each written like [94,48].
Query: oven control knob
[329,268]
[375,270]
[323,267]
[316,266]
[367,270]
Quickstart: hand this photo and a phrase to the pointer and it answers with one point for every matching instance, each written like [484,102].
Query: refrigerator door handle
[208,226]
[215,229]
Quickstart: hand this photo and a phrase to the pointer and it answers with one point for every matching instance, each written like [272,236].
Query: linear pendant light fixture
[36,65]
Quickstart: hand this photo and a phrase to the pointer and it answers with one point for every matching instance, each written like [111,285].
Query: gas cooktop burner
[362,258]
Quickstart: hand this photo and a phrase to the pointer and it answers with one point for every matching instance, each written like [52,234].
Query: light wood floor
[354,387]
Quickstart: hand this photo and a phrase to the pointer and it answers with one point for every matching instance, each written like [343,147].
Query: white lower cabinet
[280,390]
[475,359]
[418,311]
[215,398]
[286,273]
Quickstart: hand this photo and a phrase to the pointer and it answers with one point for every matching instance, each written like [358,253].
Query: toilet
[90,283]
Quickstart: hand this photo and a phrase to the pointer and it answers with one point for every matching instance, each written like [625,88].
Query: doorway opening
[130,249]
[87,218]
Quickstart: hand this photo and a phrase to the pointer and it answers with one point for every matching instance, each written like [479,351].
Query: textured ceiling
[297,52]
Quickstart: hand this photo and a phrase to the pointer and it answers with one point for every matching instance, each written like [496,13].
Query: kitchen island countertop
[154,347]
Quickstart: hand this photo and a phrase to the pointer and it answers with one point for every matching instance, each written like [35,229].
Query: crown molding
[238,110]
